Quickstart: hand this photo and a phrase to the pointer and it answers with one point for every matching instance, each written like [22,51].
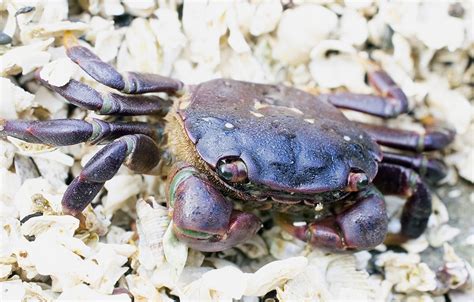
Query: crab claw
[362,226]
[202,217]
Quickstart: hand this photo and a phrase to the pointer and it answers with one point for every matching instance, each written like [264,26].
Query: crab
[230,148]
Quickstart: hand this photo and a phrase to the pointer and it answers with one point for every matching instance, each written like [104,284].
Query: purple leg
[430,169]
[361,226]
[391,103]
[433,139]
[397,180]
[138,152]
[202,217]
[130,82]
[64,132]
[110,103]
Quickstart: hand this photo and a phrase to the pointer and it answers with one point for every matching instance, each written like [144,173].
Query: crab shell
[289,140]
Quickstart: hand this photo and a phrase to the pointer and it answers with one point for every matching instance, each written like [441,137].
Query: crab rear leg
[435,138]
[390,103]
[202,217]
[139,152]
[431,169]
[361,226]
[397,180]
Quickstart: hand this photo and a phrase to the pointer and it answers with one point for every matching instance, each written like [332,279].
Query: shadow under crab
[266,146]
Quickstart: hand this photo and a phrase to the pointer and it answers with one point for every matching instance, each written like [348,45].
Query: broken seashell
[152,223]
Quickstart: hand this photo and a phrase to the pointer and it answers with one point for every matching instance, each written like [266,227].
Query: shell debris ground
[124,247]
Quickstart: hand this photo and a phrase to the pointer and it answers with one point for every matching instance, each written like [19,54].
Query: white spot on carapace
[347,138]
[360,136]
[229,126]
[207,119]
[256,114]
[309,120]
[299,223]
[296,110]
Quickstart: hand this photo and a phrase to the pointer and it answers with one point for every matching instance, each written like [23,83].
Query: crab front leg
[202,217]
[138,152]
[361,226]
[130,82]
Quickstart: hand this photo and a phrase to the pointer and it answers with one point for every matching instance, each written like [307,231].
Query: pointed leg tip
[69,40]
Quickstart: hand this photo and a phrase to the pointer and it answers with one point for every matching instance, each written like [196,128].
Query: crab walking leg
[397,180]
[64,132]
[109,103]
[431,169]
[138,152]
[391,103]
[202,217]
[433,139]
[130,82]
[361,226]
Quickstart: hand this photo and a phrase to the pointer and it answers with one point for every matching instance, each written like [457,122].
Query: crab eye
[357,181]
[232,170]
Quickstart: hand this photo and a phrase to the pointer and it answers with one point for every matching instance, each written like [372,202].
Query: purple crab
[230,148]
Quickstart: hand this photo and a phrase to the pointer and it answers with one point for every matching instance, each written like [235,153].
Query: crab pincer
[202,217]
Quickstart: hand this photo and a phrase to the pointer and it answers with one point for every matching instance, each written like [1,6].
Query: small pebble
[25,10]
[5,39]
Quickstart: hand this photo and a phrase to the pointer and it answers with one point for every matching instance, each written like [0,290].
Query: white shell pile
[426,47]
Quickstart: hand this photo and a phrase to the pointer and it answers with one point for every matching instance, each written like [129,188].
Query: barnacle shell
[52,29]
[16,290]
[120,189]
[353,28]
[152,222]
[274,274]
[13,99]
[229,282]
[266,17]
[328,278]
[139,49]
[140,8]
[169,36]
[282,245]
[204,24]
[300,29]
[58,72]
[406,272]
[24,59]
[456,111]
[38,195]
[342,69]
[441,234]
[82,292]
[416,245]
[143,290]
[7,152]
[455,273]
